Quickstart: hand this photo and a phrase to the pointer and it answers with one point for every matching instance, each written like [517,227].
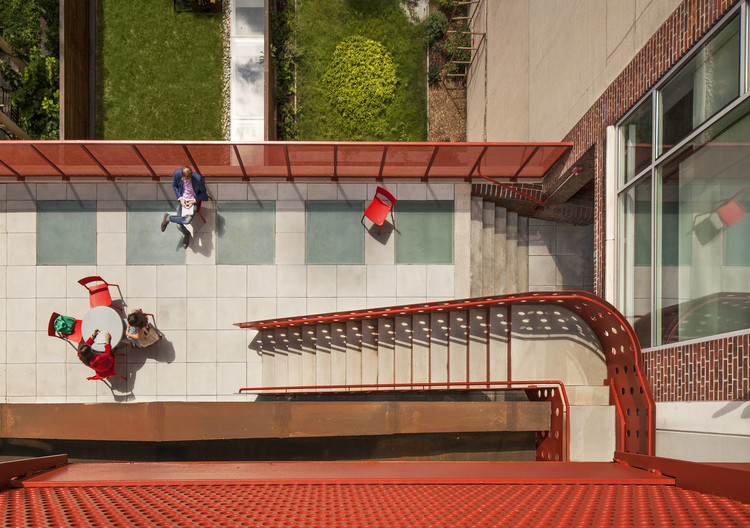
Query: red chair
[74,339]
[198,210]
[379,208]
[731,212]
[99,293]
[109,374]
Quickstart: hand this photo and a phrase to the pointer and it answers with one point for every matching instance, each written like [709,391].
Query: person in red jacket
[102,362]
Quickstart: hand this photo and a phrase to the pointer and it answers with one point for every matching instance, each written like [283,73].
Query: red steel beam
[725,480]
[14,469]
[343,472]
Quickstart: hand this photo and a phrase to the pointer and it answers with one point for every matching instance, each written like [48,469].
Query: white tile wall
[203,356]
[111,249]
[292,191]
[411,281]
[21,249]
[262,191]
[231,281]
[21,282]
[79,191]
[291,281]
[290,248]
[321,281]
[351,281]
[290,217]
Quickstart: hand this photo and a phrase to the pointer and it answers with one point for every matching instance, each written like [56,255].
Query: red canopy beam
[143,160]
[45,158]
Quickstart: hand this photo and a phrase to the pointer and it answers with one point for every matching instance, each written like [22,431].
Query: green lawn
[159,73]
[320,26]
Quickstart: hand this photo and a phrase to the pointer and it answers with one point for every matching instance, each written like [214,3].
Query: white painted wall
[704,431]
[548,61]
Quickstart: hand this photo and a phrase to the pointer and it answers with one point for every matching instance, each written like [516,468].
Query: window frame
[653,170]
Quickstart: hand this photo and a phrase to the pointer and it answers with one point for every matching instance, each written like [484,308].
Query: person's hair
[138,319]
[186,172]
[85,353]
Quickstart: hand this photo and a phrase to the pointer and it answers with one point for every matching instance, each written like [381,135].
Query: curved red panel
[631,392]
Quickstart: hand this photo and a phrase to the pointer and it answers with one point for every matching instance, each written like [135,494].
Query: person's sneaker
[164,221]
[186,241]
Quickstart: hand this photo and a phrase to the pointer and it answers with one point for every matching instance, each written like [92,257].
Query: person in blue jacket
[189,188]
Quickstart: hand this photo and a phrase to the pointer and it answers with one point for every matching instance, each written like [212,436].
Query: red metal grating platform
[375,505]
[357,494]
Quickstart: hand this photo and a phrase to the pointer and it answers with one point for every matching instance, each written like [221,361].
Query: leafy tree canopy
[35,91]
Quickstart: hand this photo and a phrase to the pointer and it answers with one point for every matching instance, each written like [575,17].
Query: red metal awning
[290,160]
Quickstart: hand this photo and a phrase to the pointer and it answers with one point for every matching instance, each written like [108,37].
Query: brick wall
[684,27]
[706,371]
[711,370]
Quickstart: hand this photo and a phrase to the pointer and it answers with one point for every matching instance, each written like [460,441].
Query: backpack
[65,325]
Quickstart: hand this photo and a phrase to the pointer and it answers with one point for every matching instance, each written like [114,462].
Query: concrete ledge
[184,421]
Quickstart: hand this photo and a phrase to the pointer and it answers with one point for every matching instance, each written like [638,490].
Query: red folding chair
[379,208]
[74,339]
[109,374]
[198,209]
[98,293]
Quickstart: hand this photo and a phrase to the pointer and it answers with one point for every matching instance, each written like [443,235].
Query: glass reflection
[702,262]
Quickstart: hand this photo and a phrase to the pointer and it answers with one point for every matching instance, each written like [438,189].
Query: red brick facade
[684,27]
[706,371]
[712,370]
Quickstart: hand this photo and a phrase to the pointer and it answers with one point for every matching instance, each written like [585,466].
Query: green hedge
[361,81]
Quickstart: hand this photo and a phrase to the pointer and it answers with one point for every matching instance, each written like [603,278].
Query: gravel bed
[226,28]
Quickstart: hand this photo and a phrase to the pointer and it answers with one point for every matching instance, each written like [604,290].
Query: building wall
[715,431]
[562,56]
[560,256]
[585,66]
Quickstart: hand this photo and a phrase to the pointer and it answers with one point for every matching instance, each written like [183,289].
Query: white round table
[106,319]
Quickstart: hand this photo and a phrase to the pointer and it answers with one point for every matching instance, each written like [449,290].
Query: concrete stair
[499,249]
[456,346]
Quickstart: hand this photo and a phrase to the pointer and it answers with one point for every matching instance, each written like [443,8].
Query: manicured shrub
[360,82]
[435,26]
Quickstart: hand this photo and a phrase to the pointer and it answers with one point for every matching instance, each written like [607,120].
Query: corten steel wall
[710,370]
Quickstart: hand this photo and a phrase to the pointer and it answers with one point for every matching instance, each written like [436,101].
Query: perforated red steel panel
[375,505]
[631,393]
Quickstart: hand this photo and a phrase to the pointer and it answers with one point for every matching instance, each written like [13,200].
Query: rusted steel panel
[343,472]
[176,421]
[18,468]
[726,480]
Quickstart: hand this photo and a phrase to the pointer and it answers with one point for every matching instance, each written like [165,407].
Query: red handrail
[622,352]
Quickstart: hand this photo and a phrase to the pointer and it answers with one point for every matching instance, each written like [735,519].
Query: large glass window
[635,141]
[683,224]
[703,232]
[702,87]
[635,258]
